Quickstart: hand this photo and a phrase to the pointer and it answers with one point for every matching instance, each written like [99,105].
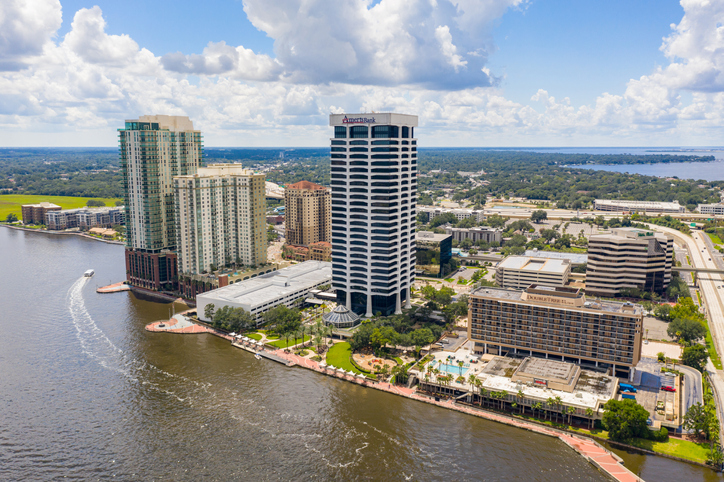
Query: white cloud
[418,56]
[25,27]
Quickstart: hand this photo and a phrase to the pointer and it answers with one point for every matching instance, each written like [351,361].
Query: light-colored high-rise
[154,149]
[374,192]
[628,258]
[220,218]
[308,213]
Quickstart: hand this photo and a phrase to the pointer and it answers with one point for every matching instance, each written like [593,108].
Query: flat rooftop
[596,305]
[536,265]
[546,369]
[430,236]
[575,258]
[592,388]
[272,286]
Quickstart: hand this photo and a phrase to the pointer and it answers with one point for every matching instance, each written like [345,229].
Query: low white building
[715,209]
[519,272]
[288,286]
[461,214]
[619,205]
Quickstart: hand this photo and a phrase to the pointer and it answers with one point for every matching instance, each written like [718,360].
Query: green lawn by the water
[338,356]
[11,203]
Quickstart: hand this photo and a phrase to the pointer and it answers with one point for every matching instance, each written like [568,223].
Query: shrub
[661,435]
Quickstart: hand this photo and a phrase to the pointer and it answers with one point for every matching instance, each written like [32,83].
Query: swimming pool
[453,369]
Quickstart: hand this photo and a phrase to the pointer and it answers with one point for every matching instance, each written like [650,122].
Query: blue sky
[266,73]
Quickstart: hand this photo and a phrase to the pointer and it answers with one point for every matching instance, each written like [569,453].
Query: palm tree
[559,404]
[550,403]
[503,394]
[460,366]
[589,414]
[537,407]
[520,396]
[303,330]
[570,411]
[483,394]
[479,386]
[286,337]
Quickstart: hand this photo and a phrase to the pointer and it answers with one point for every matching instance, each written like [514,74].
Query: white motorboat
[89,273]
[257,356]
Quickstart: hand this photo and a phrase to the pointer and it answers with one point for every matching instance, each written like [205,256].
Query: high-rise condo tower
[154,149]
[374,192]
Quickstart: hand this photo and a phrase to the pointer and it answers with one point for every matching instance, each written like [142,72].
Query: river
[708,171]
[87,393]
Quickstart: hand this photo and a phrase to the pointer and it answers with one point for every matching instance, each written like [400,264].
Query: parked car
[649,422]
[668,389]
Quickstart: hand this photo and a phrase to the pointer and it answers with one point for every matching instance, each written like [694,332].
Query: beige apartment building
[556,322]
[308,211]
[220,218]
[628,258]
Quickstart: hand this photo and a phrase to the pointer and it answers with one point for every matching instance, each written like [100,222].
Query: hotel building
[628,258]
[153,150]
[220,218]
[308,210]
[374,192]
[556,322]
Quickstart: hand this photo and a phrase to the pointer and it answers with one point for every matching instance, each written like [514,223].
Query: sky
[513,73]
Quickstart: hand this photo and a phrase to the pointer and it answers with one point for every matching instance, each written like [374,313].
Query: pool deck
[592,451]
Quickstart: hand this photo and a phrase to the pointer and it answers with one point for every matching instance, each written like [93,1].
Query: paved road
[693,391]
[712,296]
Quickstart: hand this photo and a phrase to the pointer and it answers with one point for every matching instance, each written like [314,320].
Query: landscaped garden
[339,356]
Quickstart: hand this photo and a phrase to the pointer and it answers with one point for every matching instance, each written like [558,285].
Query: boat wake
[97,346]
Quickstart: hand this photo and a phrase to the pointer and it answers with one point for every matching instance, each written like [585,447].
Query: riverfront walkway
[590,449]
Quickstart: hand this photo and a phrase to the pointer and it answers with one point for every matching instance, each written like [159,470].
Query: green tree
[661,356]
[538,216]
[688,329]
[496,221]
[695,356]
[95,203]
[11,218]
[663,312]
[625,419]
[209,311]
[698,419]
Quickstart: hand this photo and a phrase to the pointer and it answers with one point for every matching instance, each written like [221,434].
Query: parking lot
[648,380]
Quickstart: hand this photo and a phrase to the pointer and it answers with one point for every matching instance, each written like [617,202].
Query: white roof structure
[575,258]
[624,205]
[260,294]
[544,265]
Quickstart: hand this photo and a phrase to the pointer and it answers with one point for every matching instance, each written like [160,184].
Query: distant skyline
[494,73]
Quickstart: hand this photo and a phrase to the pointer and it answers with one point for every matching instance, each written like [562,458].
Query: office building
[430,212]
[715,209]
[287,286]
[620,205]
[85,218]
[519,272]
[628,258]
[153,150]
[556,322]
[374,192]
[433,254]
[486,235]
[35,213]
[220,218]
[308,213]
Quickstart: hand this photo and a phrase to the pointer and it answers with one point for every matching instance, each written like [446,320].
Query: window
[357,132]
[340,132]
[405,132]
[385,131]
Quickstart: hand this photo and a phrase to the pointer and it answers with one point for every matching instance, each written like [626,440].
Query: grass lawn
[698,452]
[269,335]
[449,280]
[11,203]
[715,239]
[710,347]
[282,343]
[338,356]
[254,336]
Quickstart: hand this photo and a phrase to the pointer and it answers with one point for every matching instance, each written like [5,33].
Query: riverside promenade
[605,460]
[590,449]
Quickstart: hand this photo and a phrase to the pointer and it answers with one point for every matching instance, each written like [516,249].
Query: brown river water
[86,393]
